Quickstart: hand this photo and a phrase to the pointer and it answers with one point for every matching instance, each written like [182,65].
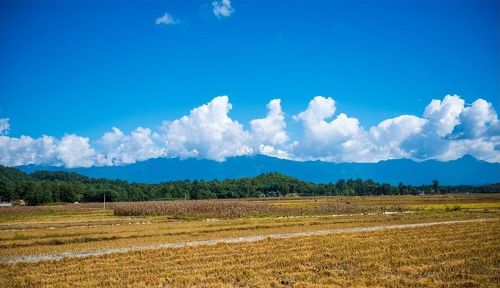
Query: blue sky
[82,67]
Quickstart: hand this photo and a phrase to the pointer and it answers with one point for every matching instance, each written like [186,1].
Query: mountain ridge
[466,170]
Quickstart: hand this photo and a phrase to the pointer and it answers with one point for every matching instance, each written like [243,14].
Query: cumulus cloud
[75,151]
[338,140]
[70,151]
[478,120]
[448,129]
[453,130]
[222,8]
[207,132]
[271,129]
[389,134]
[320,130]
[483,149]
[120,149]
[167,19]
[26,150]
[274,152]
[444,115]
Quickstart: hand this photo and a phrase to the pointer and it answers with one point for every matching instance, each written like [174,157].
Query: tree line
[43,187]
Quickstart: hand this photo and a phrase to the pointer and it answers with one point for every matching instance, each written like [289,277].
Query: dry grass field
[450,255]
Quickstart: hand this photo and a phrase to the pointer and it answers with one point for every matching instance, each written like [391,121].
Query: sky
[96,83]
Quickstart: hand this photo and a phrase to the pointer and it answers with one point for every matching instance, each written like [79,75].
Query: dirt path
[99,252]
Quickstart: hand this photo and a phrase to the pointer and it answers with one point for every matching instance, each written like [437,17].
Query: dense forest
[44,187]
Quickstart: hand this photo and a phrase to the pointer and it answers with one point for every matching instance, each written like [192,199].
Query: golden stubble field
[451,255]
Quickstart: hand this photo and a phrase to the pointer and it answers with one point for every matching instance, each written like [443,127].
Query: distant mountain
[466,170]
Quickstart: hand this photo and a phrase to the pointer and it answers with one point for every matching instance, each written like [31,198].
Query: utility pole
[104,200]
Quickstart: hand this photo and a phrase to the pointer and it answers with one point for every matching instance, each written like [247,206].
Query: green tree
[435,186]
[36,195]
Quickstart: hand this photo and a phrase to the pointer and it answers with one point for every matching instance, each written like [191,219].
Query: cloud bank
[448,129]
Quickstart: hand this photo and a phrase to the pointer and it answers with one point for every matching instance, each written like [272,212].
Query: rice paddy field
[379,241]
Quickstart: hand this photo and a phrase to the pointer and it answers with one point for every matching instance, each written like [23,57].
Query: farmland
[458,254]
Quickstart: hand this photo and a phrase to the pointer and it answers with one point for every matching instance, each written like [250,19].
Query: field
[463,253]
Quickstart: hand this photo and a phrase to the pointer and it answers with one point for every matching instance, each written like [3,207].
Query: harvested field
[175,245]
[458,255]
[76,229]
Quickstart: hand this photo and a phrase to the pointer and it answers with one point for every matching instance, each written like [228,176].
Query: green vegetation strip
[44,187]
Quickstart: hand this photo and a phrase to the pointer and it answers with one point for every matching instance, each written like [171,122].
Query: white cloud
[321,131]
[120,149]
[483,149]
[318,109]
[75,151]
[222,8]
[453,131]
[444,115]
[394,130]
[4,126]
[167,19]
[207,132]
[478,120]
[271,129]
[273,152]
[448,130]
[339,140]
[388,135]
[26,150]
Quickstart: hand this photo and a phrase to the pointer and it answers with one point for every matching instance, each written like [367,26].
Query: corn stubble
[230,209]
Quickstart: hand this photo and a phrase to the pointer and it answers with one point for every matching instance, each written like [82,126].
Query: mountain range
[466,170]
